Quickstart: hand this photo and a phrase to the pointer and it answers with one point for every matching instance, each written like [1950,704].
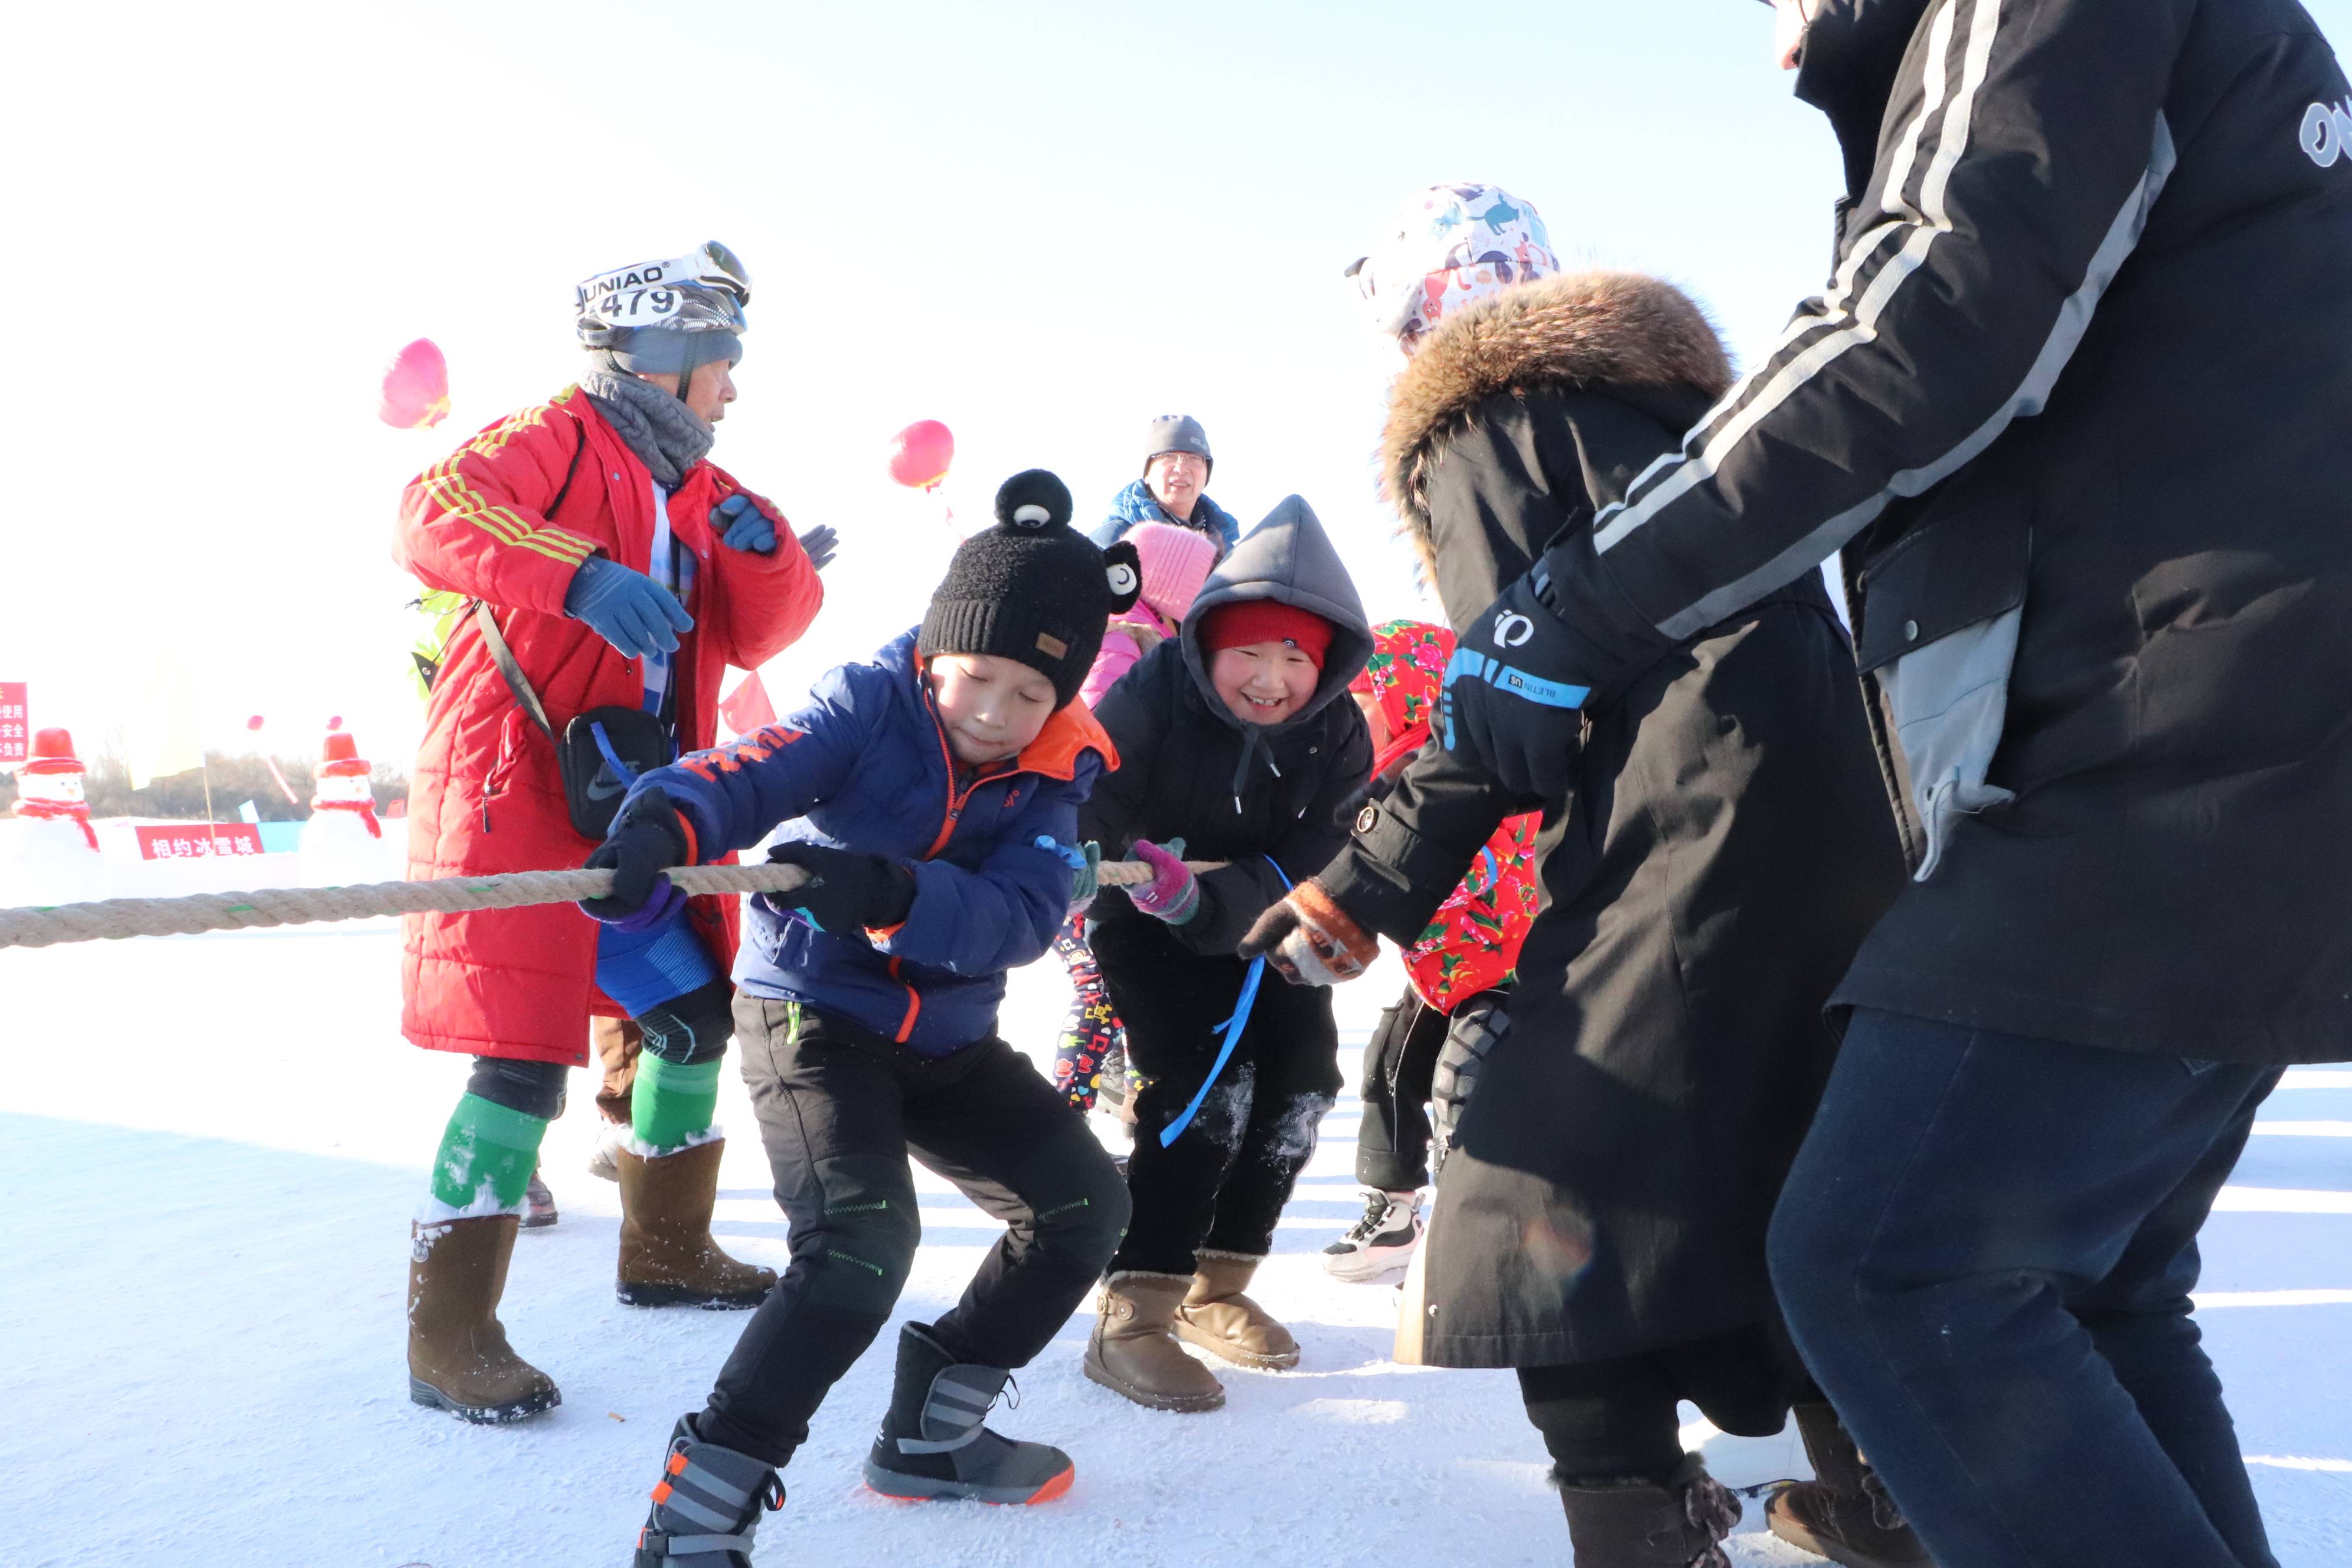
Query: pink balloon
[919,455]
[416,388]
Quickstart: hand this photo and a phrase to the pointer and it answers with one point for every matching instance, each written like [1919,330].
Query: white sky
[1040,222]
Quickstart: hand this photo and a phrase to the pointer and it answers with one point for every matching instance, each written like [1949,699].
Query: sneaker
[538,1205]
[1380,1242]
[1111,1090]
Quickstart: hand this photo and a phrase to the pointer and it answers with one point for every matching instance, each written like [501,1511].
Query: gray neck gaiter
[668,436]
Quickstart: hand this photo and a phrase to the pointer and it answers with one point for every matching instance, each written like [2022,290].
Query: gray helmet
[667,316]
[1177,433]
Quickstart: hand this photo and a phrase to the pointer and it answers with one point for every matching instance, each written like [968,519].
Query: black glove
[1477,1027]
[646,840]
[847,890]
[1514,691]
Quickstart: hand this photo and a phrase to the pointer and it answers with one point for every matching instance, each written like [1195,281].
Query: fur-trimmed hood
[1592,330]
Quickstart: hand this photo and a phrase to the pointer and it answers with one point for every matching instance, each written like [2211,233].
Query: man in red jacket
[617,569]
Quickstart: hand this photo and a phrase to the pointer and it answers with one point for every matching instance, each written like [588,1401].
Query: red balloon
[416,388]
[919,455]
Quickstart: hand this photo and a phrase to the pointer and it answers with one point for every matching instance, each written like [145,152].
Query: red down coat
[485,795]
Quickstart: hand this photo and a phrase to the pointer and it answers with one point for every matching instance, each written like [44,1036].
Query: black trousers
[1221,1186]
[1392,1148]
[1616,1419]
[840,1111]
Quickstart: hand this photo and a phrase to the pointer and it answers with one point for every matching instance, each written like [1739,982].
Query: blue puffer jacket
[1135,504]
[866,767]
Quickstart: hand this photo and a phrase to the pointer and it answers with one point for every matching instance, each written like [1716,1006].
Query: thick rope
[109,919]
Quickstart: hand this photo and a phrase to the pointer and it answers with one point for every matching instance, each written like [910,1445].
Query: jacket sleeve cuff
[1317,906]
[1388,878]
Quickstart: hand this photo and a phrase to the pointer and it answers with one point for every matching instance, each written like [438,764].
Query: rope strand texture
[111,919]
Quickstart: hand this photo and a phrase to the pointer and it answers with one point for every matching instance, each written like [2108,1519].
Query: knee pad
[689,1030]
[533,1089]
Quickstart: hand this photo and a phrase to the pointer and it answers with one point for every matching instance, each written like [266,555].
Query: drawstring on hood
[1288,559]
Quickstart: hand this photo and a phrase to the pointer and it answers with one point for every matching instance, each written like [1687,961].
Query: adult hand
[1173,894]
[1310,939]
[1511,700]
[846,890]
[647,838]
[820,544]
[626,608]
[742,525]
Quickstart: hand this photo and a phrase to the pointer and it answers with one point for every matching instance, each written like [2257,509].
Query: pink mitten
[1172,894]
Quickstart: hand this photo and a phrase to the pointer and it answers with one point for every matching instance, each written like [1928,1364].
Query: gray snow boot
[1842,1514]
[1634,1523]
[706,1505]
[933,1445]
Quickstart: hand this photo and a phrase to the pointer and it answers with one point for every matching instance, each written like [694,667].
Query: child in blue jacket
[933,795]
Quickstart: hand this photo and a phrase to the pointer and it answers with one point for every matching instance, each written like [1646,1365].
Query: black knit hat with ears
[1032,589]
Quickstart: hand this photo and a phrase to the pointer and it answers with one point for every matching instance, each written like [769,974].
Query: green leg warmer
[671,1103]
[486,1158]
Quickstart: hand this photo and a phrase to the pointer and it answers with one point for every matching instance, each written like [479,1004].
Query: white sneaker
[604,1160]
[1378,1244]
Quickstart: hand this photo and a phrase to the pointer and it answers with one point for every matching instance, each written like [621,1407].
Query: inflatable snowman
[343,844]
[51,856]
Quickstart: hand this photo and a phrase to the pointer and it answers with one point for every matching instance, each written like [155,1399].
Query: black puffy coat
[1726,847]
[2074,404]
[1236,792]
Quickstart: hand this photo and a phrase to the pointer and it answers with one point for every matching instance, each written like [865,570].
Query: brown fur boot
[458,1358]
[1844,1514]
[1133,1353]
[1218,1318]
[668,1259]
[1633,1524]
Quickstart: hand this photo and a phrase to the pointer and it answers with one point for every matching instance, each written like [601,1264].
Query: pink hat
[1176,562]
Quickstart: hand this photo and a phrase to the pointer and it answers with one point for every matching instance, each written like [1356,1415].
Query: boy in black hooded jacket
[1235,739]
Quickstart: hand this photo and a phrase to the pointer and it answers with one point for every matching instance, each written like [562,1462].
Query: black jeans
[1393,1146]
[840,1111]
[1985,1252]
[1221,1186]
[1612,1420]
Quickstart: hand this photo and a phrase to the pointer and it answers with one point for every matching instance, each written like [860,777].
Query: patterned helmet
[704,291]
[1447,246]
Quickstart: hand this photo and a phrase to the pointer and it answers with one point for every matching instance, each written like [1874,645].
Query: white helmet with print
[1445,246]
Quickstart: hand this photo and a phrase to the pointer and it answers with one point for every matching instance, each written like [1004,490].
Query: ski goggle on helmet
[704,290]
[1445,246]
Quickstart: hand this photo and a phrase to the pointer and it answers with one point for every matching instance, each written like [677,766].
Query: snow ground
[214,1144]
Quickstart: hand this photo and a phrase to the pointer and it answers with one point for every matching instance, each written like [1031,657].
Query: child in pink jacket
[1176,562]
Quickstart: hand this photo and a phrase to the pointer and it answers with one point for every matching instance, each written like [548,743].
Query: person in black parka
[1599,1219]
[1270,796]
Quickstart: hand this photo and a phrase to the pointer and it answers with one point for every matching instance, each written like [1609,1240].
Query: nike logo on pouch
[599,789]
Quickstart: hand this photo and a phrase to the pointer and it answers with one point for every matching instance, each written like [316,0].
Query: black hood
[1852,53]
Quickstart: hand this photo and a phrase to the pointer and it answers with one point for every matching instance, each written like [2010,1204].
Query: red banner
[15,730]
[747,707]
[196,841]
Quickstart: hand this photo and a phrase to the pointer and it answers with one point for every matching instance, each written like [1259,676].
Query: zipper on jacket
[956,803]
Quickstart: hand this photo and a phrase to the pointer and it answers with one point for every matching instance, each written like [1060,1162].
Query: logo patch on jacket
[2326,132]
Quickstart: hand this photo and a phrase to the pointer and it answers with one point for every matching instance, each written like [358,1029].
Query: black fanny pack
[600,753]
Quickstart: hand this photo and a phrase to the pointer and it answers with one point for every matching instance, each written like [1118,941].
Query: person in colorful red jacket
[622,569]
[1471,945]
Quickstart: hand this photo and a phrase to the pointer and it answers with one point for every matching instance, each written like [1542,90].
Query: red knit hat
[1238,623]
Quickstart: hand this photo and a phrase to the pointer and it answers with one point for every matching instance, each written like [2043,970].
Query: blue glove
[626,608]
[819,542]
[1511,700]
[742,525]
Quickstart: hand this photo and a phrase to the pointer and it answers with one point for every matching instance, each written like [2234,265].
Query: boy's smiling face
[1264,682]
[990,707]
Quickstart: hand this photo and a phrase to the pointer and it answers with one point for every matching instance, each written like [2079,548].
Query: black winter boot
[932,1444]
[1844,1514]
[706,1505]
[1634,1523]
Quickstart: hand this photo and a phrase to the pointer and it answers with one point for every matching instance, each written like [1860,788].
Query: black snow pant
[1220,1187]
[840,1111]
[1392,1147]
[1614,1420]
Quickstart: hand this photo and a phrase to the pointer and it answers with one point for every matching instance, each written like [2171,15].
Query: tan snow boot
[458,1358]
[1218,1318]
[1133,1353]
[668,1259]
